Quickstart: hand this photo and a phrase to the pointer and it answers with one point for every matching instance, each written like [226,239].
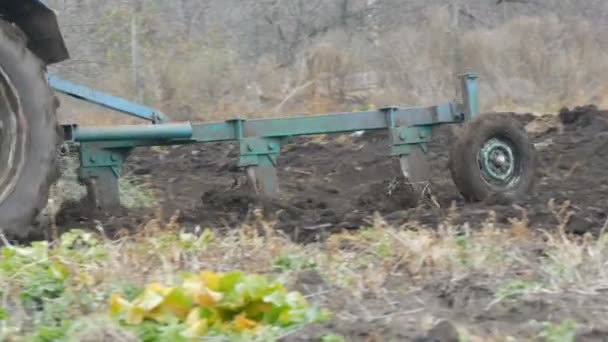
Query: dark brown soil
[340,182]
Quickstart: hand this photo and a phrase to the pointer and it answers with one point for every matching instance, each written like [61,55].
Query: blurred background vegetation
[211,59]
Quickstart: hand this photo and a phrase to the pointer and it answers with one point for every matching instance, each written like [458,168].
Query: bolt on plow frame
[491,156]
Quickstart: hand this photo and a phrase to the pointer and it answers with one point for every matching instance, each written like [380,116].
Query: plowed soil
[339,182]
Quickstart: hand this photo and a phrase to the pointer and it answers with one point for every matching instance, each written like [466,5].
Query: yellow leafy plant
[221,303]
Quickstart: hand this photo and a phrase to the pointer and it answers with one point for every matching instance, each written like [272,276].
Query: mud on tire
[29,134]
[493,157]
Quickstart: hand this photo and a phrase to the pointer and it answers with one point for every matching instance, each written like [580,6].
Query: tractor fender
[39,23]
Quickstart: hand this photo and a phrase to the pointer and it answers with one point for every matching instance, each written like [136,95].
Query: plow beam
[235,130]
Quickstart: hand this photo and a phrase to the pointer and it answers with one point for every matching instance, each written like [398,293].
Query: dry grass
[516,263]
[535,64]
[364,260]
[529,63]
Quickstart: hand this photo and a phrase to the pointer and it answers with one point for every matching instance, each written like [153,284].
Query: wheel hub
[497,162]
[12,137]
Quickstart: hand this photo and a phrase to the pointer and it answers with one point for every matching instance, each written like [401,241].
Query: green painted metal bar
[132,132]
[106,100]
[270,128]
[217,131]
[470,89]
[349,122]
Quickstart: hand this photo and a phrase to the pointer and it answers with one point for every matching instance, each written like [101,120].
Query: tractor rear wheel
[29,134]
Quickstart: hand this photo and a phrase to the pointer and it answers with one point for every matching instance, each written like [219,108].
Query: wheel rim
[499,163]
[12,137]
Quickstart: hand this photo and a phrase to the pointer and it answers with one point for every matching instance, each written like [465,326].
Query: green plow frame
[104,150]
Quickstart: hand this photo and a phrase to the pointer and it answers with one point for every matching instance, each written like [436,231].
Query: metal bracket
[403,138]
[93,156]
[253,148]
[259,157]
[100,168]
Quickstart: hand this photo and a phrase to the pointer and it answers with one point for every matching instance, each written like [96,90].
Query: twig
[398,238]
[318,227]
[292,94]
[400,313]
[5,240]
[599,249]
[290,332]
[318,293]
[301,172]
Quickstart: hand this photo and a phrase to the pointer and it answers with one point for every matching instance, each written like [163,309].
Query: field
[349,240]
[366,261]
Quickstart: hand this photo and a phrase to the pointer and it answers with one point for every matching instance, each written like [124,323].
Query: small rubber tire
[467,170]
[26,195]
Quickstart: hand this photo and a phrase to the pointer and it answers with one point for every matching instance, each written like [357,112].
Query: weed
[134,196]
[333,338]
[294,263]
[562,332]
[214,303]
[515,290]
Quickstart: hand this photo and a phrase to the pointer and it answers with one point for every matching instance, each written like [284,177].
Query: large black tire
[493,158]
[29,134]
